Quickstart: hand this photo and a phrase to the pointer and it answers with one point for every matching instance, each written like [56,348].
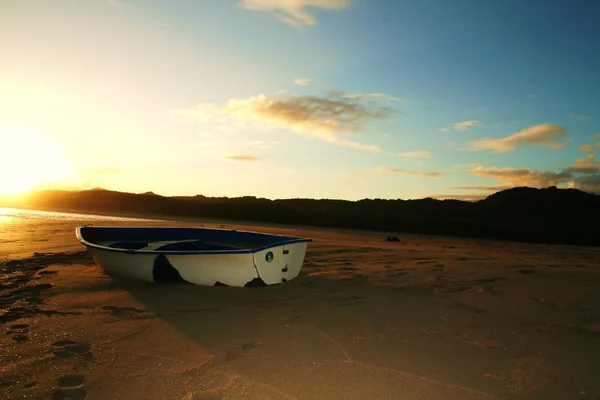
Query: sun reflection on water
[4,214]
[13,214]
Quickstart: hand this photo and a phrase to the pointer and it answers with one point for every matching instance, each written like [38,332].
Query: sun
[28,160]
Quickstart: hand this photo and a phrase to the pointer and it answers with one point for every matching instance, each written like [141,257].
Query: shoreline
[521,214]
[216,221]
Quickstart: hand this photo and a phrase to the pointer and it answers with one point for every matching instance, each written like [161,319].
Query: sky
[343,99]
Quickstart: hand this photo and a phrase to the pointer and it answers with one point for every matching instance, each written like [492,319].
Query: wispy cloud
[324,117]
[376,96]
[586,147]
[589,183]
[490,188]
[243,158]
[587,165]
[302,81]
[578,116]
[466,125]
[390,170]
[463,197]
[461,167]
[544,135]
[417,154]
[513,177]
[361,146]
[293,12]
[584,174]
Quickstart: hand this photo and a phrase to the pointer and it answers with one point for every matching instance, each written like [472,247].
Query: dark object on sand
[392,239]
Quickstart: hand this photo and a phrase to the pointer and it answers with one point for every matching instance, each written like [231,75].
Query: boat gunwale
[288,240]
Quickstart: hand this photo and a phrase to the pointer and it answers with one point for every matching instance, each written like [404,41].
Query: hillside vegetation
[565,216]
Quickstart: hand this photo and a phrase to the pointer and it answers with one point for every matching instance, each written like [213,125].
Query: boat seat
[195,246]
[128,245]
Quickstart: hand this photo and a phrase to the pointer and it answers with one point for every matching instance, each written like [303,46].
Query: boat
[201,256]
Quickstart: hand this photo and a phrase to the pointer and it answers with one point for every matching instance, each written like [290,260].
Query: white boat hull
[268,265]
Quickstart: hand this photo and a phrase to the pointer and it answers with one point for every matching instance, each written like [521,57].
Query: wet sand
[422,318]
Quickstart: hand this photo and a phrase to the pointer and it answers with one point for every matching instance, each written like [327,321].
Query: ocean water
[14,214]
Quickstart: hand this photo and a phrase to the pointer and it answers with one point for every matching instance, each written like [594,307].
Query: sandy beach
[422,318]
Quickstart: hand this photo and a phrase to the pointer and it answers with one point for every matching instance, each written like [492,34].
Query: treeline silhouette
[553,216]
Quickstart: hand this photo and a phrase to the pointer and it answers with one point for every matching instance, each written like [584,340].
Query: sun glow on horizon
[29,159]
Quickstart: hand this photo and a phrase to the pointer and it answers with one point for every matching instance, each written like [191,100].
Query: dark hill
[566,216]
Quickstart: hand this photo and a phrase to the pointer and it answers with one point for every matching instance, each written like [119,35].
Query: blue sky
[304,98]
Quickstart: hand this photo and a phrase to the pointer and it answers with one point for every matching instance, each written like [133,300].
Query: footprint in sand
[481,340]
[69,388]
[47,272]
[432,330]
[490,280]
[237,352]
[41,286]
[68,349]
[465,307]
[488,289]
[423,261]
[590,329]
[71,381]
[526,271]
[346,300]
[127,312]
[19,332]
[210,395]
[397,273]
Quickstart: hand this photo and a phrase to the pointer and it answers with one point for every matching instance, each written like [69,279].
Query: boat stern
[279,264]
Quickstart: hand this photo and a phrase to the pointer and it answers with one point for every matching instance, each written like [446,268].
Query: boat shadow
[219,317]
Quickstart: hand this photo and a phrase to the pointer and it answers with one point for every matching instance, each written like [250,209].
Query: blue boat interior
[175,246]
[180,240]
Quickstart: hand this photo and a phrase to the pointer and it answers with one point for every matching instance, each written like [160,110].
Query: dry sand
[423,318]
